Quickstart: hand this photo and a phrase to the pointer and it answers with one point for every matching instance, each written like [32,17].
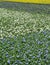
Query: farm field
[24,34]
[29,1]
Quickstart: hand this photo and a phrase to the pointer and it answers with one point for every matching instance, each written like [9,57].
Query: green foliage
[24,38]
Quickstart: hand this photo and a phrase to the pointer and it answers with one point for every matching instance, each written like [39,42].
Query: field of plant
[24,34]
